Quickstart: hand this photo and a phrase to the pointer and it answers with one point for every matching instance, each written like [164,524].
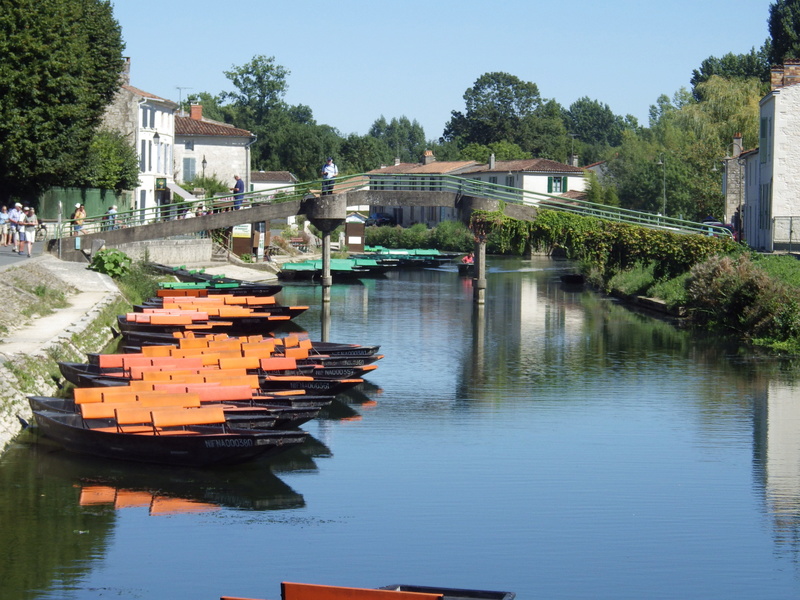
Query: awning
[176,189]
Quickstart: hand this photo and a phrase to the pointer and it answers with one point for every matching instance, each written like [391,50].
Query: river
[553,444]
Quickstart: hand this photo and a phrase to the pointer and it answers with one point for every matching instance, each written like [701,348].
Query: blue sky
[352,61]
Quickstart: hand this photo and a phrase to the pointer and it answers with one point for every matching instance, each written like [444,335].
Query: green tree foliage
[784,30]
[112,164]
[405,139]
[496,106]
[61,65]
[594,123]
[362,153]
[754,64]
[501,150]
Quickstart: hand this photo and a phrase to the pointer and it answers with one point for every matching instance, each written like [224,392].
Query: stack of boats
[374,261]
[201,380]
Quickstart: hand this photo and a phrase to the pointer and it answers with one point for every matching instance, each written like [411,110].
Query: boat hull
[209,446]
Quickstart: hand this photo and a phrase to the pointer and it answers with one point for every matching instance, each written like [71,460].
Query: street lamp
[662,160]
[204,163]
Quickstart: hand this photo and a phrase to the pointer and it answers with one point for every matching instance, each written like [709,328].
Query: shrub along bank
[718,284]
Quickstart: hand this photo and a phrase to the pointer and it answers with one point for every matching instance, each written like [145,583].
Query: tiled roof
[433,168]
[272,176]
[189,126]
[143,94]
[531,165]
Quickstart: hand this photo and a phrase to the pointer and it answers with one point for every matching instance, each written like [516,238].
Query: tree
[405,138]
[363,153]
[112,163]
[61,67]
[594,123]
[755,64]
[784,30]
[501,151]
[496,105]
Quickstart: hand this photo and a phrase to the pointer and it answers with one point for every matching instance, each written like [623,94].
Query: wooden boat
[213,282]
[170,323]
[240,414]
[306,591]
[418,258]
[466,269]
[342,269]
[197,437]
[573,279]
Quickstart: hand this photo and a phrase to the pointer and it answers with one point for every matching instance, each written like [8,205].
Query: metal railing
[408,183]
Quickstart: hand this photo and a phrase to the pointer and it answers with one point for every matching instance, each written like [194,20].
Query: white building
[148,122]
[536,175]
[772,173]
[207,148]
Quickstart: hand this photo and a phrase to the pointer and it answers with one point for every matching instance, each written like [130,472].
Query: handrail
[460,186]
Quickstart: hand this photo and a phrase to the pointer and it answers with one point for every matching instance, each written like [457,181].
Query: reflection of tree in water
[46,534]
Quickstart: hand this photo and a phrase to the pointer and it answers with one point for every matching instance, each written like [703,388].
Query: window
[150,155]
[152,119]
[189,168]
[509,181]
[556,185]
[188,145]
[493,179]
[762,140]
[144,117]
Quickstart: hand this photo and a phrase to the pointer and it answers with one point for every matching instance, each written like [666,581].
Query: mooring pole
[327,280]
[479,282]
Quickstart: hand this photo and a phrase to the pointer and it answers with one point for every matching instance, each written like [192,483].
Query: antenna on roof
[180,97]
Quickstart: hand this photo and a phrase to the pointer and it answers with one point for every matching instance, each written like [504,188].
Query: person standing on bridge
[238,190]
[329,172]
[15,219]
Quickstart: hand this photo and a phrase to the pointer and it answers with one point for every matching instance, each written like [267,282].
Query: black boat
[243,415]
[194,445]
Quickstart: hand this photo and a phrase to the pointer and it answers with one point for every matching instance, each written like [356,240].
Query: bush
[111,262]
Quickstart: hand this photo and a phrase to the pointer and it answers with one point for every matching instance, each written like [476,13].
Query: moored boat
[181,437]
[307,591]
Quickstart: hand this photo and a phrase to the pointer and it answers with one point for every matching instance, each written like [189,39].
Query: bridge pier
[326,213]
[479,281]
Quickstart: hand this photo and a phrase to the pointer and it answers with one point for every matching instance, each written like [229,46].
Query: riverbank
[33,343]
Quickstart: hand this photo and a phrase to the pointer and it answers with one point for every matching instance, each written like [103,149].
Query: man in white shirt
[329,171]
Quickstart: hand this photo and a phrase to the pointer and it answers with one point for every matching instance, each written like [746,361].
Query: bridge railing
[461,186]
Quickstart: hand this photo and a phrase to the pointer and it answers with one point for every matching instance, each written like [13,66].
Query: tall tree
[405,138]
[496,105]
[784,30]
[61,67]
[754,64]
[594,123]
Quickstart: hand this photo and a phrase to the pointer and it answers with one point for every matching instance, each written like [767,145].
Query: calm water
[556,445]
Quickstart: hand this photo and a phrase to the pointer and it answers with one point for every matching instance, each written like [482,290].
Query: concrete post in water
[466,205]
[326,213]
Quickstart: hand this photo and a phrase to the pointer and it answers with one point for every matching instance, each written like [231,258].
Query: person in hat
[30,222]
[329,172]
[15,219]
[77,219]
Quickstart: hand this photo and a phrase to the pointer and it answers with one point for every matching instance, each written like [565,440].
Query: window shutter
[564,184]
[549,185]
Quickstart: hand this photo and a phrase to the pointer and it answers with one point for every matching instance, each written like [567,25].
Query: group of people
[18,228]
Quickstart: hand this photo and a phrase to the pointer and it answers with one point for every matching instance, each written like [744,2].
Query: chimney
[737,145]
[573,160]
[776,77]
[396,161]
[125,76]
[791,71]
[428,157]
[196,112]
[491,162]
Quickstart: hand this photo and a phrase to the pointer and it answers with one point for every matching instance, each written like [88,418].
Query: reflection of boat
[249,486]
[103,495]
[572,278]
[306,591]
[188,438]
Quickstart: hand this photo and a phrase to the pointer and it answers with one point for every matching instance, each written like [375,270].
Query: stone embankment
[33,343]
